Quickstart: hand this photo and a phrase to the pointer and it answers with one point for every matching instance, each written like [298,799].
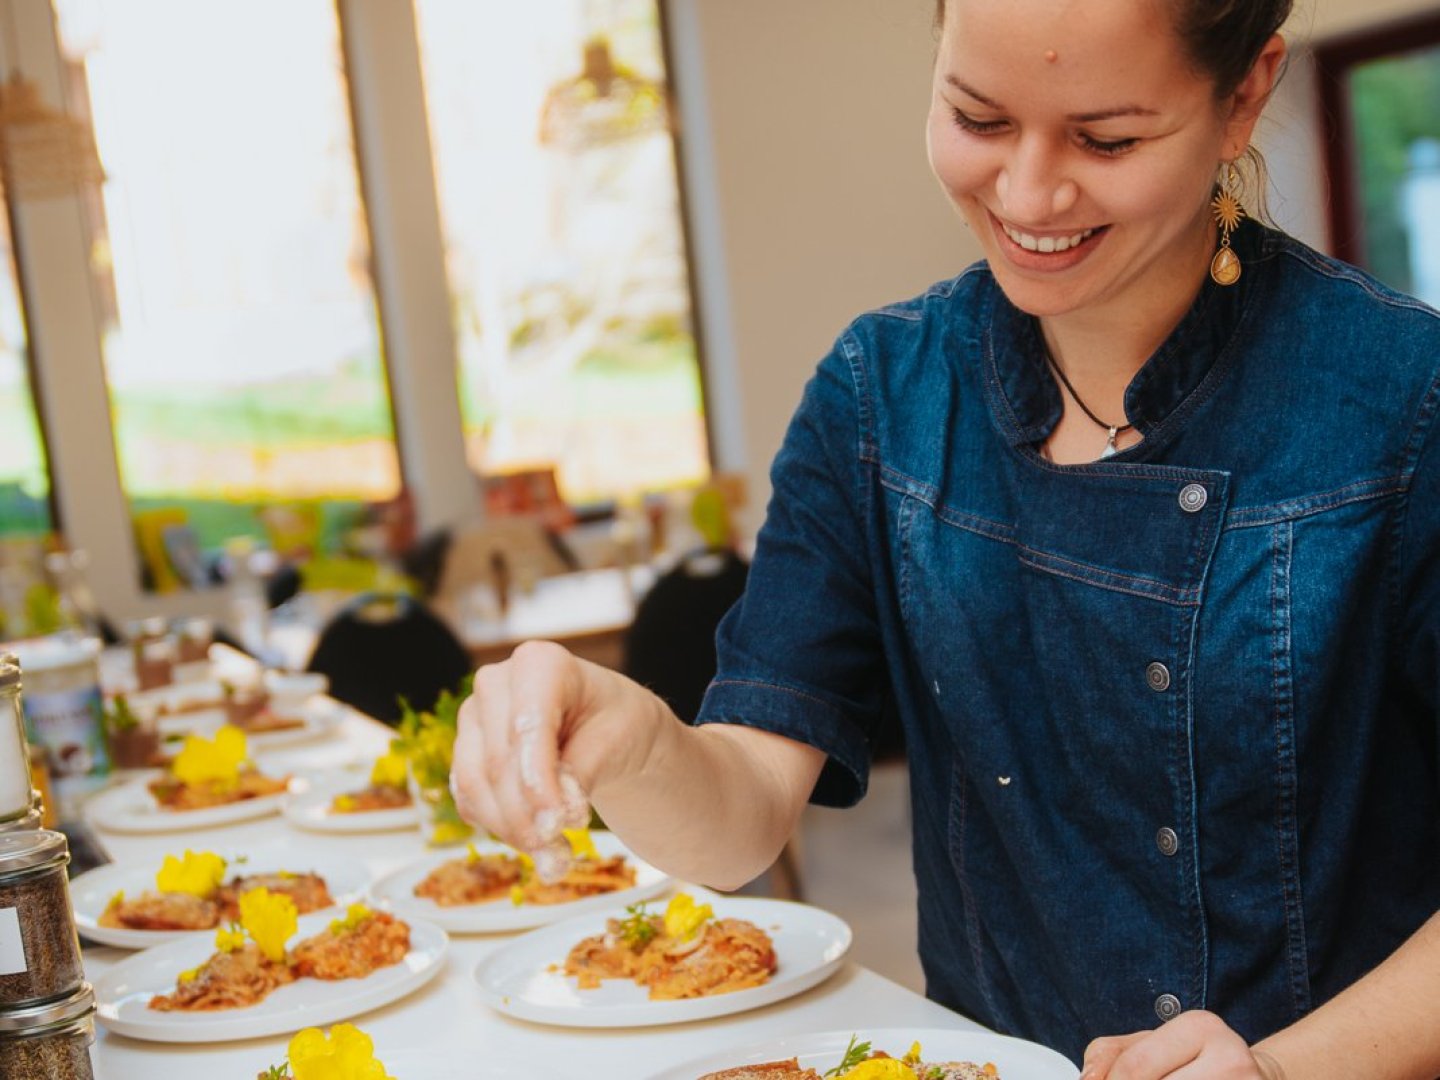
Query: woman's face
[1080,147]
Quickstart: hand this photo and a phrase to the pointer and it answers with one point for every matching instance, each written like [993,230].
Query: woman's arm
[712,804]
[1384,1027]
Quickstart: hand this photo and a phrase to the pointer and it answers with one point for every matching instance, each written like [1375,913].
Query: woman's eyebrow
[1077,118]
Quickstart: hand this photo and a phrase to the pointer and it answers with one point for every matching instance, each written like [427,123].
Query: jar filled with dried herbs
[51,1040]
[15,787]
[39,950]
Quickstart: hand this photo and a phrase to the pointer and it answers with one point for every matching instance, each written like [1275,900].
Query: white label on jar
[12,946]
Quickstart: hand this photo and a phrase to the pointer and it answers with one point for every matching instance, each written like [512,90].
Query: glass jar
[51,1040]
[16,795]
[33,818]
[39,950]
[62,706]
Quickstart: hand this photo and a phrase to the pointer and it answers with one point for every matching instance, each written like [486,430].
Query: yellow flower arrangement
[347,1053]
[197,873]
[270,919]
[389,770]
[217,760]
[684,918]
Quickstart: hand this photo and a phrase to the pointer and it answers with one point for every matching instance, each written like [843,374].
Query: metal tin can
[62,707]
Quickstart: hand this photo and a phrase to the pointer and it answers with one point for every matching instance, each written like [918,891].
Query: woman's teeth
[1046,243]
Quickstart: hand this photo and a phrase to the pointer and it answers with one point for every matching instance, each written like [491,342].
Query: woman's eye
[977,127]
[1100,146]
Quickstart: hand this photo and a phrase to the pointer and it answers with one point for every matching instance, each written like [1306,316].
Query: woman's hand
[1195,1045]
[541,731]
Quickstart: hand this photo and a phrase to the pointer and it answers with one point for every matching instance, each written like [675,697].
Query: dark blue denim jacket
[1171,716]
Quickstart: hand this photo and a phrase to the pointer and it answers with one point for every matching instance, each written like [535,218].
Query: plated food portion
[194,891]
[692,961]
[211,781]
[684,953]
[881,1054]
[487,887]
[269,973]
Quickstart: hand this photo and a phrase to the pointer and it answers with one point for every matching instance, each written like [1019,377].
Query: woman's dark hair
[1222,37]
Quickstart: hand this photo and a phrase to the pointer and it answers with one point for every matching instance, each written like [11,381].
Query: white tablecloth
[444,1031]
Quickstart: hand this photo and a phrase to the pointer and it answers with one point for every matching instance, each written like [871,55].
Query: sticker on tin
[12,948]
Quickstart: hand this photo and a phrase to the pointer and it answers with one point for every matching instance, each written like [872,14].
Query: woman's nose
[1032,188]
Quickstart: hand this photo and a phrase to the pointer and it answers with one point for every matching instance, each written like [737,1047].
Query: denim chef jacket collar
[1023,394]
[1170,716]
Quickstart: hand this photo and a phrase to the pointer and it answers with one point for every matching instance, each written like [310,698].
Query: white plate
[318,714]
[130,808]
[123,993]
[517,978]
[308,807]
[495,916]
[90,893]
[1016,1059]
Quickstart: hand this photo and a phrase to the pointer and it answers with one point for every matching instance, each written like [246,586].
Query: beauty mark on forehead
[1051,56]
[1075,118]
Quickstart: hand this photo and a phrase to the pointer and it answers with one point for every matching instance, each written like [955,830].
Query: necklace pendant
[1110,447]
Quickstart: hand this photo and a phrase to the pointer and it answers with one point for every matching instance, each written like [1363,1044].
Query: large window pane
[565,249]
[243,353]
[24,475]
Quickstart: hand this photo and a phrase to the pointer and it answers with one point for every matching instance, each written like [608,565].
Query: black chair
[380,648]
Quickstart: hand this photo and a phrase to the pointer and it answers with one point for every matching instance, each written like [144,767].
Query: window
[243,349]
[24,475]
[1382,103]
[565,246]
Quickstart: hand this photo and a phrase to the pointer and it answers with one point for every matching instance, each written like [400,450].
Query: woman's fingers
[1100,1055]
[1196,1045]
[506,773]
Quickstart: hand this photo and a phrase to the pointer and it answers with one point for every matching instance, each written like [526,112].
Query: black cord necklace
[1113,429]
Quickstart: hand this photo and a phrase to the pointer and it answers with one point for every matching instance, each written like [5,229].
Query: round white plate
[130,808]
[308,807]
[90,893]
[1016,1059]
[123,993]
[318,714]
[517,978]
[496,916]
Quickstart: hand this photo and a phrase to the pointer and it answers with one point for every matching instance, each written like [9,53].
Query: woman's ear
[1249,98]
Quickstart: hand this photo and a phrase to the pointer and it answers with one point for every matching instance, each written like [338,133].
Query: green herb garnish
[855,1053]
[636,929]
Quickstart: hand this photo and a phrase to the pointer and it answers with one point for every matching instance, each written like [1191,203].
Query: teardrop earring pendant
[1225,266]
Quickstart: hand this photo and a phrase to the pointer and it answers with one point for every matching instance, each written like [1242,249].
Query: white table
[444,1031]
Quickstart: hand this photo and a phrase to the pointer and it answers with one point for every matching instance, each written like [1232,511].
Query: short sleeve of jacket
[800,654]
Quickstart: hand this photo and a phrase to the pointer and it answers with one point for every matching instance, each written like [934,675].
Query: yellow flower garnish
[355,914]
[204,760]
[389,770]
[517,894]
[880,1069]
[471,854]
[344,802]
[230,939]
[912,1056]
[197,873]
[116,900]
[449,832]
[346,1054]
[270,919]
[581,846]
[683,917]
[187,975]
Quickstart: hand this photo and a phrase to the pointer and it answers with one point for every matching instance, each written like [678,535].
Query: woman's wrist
[1269,1067]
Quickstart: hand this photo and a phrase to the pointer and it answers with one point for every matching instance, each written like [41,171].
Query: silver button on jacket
[1157,677]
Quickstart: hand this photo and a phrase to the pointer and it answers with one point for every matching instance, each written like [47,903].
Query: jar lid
[22,850]
[9,670]
[67,1010]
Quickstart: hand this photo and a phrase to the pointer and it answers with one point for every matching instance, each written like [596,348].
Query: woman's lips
[1052,251]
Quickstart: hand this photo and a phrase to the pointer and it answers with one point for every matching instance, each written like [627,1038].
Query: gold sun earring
[1225,267]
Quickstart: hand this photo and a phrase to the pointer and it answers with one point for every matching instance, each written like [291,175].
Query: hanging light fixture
[44,152]
[606,103]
